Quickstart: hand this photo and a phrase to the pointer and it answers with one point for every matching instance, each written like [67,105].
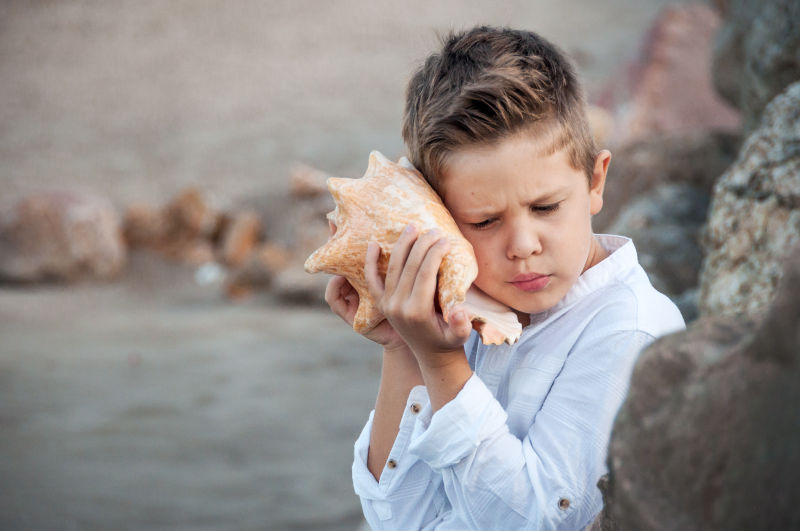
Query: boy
[468,436]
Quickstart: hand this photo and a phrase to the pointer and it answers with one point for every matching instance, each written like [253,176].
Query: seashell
[378,207]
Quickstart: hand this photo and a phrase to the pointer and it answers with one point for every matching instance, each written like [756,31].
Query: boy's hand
[406,296]
[343,300]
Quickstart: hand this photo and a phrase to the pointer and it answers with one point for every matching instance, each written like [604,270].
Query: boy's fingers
[423,289]
[397,261]
[409,279]
[337,293]
[371,276]
[459,327]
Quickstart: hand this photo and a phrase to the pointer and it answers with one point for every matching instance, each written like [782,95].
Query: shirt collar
[621,258]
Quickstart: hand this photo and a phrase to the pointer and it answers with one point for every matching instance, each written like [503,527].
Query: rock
[755,215]
[665,225]
[145,226]
[258,271]
[756,54]
[669,89]
[698,159]
[239,238]
[293,284]
[190,216]
[194,252]
[305,181]
[62,236]
[708,437]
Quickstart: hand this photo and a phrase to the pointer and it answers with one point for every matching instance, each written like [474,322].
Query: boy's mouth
[531,281]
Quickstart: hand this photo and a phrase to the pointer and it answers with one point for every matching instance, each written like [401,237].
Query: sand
[151,402]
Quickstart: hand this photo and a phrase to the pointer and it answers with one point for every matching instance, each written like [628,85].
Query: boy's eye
[482,224]
[546,209]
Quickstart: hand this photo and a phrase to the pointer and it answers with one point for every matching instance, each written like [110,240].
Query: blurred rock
[305,181]
[698,159]
[62,236]
[293,284]
[258,271]
[756,53]
[240,237]
[669,89]
[665,224]
[145,226]
[755,215]
[195,252]
[708,437]
[190,216]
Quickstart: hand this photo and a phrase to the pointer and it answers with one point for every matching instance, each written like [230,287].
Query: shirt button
[415,408]
[563,504]
[391,463]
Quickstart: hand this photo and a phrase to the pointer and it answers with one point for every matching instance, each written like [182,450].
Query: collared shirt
[524,443]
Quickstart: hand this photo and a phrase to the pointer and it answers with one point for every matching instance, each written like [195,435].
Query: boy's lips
[531,281]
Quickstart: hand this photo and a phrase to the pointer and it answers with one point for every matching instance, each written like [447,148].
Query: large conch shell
[378,207]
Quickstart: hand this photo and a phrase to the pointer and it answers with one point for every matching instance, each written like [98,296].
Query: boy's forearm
[444,375]
[399,374]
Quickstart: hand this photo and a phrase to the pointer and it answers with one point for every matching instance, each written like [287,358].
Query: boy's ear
[598,183]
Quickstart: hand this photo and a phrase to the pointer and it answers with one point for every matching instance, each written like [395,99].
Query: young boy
[469,436]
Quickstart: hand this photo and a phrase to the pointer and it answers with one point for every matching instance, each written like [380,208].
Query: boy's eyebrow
[545,198]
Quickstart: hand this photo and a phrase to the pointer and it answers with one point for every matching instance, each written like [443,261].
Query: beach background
[152,401]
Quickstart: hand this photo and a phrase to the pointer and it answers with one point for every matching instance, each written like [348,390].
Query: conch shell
[378,207]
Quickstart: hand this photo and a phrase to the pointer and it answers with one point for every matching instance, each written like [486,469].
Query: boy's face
[528,218]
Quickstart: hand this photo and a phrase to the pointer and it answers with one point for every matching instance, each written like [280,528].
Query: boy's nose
[523,243]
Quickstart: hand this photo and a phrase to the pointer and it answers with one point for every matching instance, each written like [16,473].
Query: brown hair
[487,84]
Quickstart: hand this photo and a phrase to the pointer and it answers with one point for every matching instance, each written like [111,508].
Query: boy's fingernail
[409,228]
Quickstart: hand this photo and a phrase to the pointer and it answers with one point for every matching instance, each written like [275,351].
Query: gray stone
[708,437]
[756,54]
[697,159]
[60,236]
[755,215]
[665,224]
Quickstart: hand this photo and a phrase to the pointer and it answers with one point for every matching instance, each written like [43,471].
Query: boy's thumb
[461,322]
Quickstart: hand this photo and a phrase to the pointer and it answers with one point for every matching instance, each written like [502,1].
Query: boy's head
[496,123]
[488,84]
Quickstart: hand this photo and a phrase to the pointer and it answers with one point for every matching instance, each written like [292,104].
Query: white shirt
[524,443]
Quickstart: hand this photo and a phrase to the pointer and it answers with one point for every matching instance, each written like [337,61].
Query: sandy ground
[151,403]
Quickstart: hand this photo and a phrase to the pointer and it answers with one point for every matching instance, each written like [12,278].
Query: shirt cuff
[455,430]
[399,460]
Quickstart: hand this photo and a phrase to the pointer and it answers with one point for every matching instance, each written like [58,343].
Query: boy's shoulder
[630,301]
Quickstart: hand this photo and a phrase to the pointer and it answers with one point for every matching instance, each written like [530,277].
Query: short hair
[487,84]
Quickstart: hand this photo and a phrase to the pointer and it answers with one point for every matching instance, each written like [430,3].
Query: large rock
[697,159]
[669,89]
[755,215]
[756,53]
[60,236]
[708,437]
[665,224]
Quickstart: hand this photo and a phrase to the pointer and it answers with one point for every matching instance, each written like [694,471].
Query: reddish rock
[60,235]
[192,252]
[145,225]
[190,216]
[240,237]
[669,89]
[305,181]
[258,271]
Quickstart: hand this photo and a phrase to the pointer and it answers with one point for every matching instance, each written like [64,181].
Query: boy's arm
[399,374]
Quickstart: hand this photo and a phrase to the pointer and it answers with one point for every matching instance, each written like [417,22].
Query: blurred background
[164,361]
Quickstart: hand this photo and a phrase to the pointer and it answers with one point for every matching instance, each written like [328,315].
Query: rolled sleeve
[403,498]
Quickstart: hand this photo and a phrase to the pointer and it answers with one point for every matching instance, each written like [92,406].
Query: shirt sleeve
[547,480]
[409,494]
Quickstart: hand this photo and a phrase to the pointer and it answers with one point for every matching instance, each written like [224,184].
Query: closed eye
[482,224]
[546,209]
